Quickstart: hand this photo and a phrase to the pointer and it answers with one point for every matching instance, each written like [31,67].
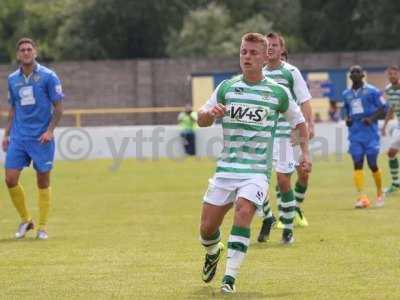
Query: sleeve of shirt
[54,88]
[213,99]
[291,110]
[345,109]
[11,98]
[300,88]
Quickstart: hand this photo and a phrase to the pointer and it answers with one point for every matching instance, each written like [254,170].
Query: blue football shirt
[33,98]
[359,104]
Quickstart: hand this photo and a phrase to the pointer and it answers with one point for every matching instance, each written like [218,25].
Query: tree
[210,32]
[10,12]
[119,29]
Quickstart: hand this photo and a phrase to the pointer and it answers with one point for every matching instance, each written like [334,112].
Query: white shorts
[284,157]
[222,191]
[395,139]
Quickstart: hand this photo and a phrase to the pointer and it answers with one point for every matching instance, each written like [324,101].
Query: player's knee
[283,182]
[207,229]
[43,180]
[302,177]
[244,211]
[11,181]
[358,165]
[392,153]
[373,168]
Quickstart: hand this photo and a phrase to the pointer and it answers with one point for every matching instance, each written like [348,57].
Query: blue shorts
[21,153]
[368,147]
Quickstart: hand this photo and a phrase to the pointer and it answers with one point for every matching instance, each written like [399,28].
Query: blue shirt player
[35,98]
[364,105]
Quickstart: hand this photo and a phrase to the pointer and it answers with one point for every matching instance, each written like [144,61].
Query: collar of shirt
[27,78]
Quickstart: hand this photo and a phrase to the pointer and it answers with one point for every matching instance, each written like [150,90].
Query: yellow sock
[358,177]
[18,198]
[44,207]
[378,181]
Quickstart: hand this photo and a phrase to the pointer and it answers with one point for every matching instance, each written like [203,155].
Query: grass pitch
[133,234]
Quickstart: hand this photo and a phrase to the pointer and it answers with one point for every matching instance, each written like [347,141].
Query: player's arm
[11,113]
[388,117]
[56,96]
[294,116]
[7,128]
[380,112]
[346,111]
[303,96]
[211,110]
[307,113]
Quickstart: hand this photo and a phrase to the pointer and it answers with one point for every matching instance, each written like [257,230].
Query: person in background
[392,92]
[187,122]
[363,106]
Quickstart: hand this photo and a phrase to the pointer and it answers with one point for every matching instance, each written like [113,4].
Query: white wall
[154,142]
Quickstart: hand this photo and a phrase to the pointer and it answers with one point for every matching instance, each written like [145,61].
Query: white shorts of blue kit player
[21,153]
[222,191]
[284,156]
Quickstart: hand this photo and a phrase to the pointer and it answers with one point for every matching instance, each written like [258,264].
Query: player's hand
[367,121]
[5,142]
[218,111]
[349,122]
[46,137]
[305,164]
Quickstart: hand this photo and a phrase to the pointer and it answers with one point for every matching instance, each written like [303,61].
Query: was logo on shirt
[248,113]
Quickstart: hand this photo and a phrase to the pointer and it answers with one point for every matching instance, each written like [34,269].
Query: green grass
[133,234]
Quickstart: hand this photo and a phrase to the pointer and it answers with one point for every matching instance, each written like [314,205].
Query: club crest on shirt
[36,78]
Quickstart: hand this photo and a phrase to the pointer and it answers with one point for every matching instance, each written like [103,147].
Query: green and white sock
[394,171]
[287,207]
[211,243]
[278,200]
[299,193]
[267,212]
[239,241]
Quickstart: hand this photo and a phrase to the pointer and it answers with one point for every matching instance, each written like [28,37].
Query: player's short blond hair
[255,37]
[275,35]
[393,68]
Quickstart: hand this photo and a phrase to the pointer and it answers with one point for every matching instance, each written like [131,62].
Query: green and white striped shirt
[249,124]
[393,98]
[290,77]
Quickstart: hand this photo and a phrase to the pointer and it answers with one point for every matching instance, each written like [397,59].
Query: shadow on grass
[271,245]
[24,240]
[209,292]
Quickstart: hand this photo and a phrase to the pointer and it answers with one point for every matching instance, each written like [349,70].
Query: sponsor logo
[260,195]
[248,114]
[58,89]
[239,90]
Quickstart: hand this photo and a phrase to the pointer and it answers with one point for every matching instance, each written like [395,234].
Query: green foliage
[120,29]
[10,12]
[211,32]
[98,29]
